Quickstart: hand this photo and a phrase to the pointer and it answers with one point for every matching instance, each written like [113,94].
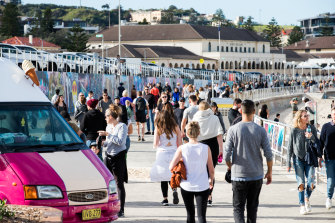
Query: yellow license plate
[91,214]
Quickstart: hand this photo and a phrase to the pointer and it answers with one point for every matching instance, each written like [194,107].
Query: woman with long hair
[115,146]
[264,112]
[216,112]
[210,134]
[167,138]
[301,135]
[197,158]
[60,104]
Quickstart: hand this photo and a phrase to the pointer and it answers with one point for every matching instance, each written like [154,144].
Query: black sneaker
[152,133]
[165,202]
[120,214]
[139,138]
[175,197]
[147,133]
[209,203]
[143,140]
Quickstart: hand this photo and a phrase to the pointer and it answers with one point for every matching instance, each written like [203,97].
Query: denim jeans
[127,143]
[150,121]
[246,192]
[330,170]
[302,170]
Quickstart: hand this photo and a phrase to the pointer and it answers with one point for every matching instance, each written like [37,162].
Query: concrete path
[278,201]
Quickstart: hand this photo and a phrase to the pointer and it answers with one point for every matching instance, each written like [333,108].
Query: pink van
[42,160]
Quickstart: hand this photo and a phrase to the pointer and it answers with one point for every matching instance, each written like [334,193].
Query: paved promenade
[278,201]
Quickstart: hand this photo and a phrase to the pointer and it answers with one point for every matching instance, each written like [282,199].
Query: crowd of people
[186,125]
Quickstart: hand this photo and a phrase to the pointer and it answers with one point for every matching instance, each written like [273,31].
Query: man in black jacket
[93,122]
[233,113]
[152,105]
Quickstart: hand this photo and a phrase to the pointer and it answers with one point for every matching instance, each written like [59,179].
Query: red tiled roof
[37,42]
[324,42]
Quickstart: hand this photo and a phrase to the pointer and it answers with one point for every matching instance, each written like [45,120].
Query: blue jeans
[330,170]
[302,170]
[151,121]
[127,143]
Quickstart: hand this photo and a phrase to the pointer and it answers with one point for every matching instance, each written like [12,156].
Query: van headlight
[42,192]
[112,189]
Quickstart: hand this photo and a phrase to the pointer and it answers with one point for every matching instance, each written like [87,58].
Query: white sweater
[210,126]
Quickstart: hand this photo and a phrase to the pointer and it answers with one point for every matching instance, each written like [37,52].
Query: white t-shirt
[195,158]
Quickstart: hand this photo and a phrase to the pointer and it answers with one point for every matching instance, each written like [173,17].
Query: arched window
[263,48]
[175,65]
[227,49]
[222,65]
[187,65]
[213,66]
[227,65]
[170,65]
[209,47]
[163,64]
[208,66]
[253,65]
[181,65]
[203,66]
[262,65]
[222,48]
[198,66]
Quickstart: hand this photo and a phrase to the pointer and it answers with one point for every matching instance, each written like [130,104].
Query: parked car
[43,161]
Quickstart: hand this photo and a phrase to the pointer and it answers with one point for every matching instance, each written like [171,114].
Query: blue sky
[286,12]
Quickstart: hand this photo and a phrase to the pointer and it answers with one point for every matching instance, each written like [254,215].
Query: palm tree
[106,7]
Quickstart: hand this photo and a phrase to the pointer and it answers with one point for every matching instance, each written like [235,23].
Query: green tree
[59,38]
[144,22]
[47,23]
[172,8]
[219,17]
[272,33]
[77,39]
[249,24]
[167,18]
[296,35]
[10,22]
[326,30]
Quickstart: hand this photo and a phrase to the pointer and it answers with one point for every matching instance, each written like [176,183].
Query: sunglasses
[81,95]
[146,89]
[305,116]
[164,97]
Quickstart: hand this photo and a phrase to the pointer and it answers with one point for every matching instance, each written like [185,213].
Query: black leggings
[213,145]
[165,188]
[201,199]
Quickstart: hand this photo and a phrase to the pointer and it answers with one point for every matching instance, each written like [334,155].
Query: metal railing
[81,63]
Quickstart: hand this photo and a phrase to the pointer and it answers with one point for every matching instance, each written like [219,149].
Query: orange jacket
[178,172]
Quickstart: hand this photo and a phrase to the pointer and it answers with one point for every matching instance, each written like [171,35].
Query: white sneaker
[329,203]
[303,210]
[308,206]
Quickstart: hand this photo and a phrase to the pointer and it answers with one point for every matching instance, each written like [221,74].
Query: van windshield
[34,128]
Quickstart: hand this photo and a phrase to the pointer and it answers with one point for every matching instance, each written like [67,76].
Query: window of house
[307,50]
[245,49]
[253,49]
[263,48]
[318,50]
[249,50]
[241,49]
[227,49]
[217,48]
[209,47]
[222,48]
[236,49]
[231,49]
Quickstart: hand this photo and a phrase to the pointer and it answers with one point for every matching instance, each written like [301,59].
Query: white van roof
[15,87]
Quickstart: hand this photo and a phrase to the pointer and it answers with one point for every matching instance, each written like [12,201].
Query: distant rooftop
[176,32]
[37,42]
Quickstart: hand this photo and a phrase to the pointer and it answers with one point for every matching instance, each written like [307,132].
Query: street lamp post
[102,43]
[119,29]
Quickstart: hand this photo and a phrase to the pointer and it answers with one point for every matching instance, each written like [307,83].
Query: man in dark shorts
[179,112]
[141,105]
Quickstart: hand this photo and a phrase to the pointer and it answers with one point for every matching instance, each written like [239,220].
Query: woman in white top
[167,138]
[210,134]
[196,157]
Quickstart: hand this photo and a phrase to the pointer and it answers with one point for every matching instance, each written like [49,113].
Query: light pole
[119,29]
[102,43]
[284,62]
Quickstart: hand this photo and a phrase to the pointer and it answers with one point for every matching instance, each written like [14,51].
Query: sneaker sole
[165,204]
[175,198]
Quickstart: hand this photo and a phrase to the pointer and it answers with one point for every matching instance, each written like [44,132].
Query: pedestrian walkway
[278,201]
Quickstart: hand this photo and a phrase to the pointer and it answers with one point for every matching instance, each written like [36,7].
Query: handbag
[178,173]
